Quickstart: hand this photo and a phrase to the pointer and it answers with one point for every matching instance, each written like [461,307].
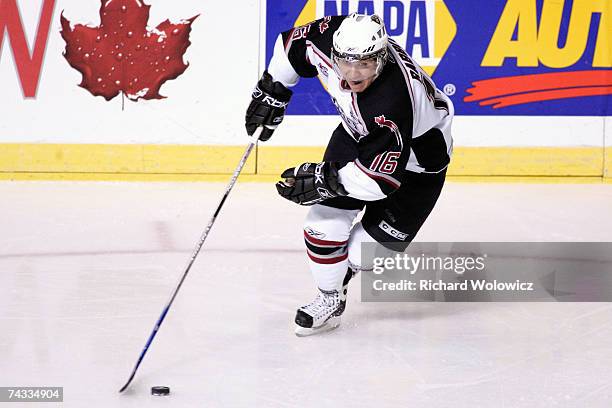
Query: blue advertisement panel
[493,57]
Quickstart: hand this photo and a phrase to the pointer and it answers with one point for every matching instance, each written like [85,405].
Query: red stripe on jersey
[322,56]
[376,176]
[289,40]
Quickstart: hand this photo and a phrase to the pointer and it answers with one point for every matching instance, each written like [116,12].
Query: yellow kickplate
[214,163]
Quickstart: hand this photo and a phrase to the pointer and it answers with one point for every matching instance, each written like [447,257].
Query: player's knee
[326,233]
[329,224]
[322,250]
[358,258]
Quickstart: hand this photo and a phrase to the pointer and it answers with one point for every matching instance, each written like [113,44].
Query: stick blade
[127,384]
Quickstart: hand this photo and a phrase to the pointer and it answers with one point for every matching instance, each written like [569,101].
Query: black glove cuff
[274,88]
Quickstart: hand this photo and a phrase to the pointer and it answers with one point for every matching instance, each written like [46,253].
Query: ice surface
[86,268]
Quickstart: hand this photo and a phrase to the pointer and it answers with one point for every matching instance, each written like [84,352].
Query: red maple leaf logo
[382,121]
[121,55]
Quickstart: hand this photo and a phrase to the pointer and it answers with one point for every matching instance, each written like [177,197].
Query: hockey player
[389,154]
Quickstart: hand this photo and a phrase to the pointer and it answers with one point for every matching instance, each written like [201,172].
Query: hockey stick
[245,156]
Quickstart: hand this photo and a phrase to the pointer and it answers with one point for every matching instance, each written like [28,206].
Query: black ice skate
[323,313]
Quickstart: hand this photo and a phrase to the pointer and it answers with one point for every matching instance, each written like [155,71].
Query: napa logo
[530,36]
[425,28]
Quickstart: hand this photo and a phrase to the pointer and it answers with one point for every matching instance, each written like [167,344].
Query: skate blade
[329,325]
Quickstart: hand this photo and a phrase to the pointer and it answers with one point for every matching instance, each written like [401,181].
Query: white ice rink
[86,268]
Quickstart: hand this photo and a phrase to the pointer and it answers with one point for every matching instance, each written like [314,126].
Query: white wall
[471,131]
[206,104]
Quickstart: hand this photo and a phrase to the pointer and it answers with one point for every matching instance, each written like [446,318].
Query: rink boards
[184,163]
[54,129]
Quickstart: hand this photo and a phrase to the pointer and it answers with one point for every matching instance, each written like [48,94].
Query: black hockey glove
[311,183]
[268,106]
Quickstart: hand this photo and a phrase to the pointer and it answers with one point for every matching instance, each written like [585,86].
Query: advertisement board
[499,57]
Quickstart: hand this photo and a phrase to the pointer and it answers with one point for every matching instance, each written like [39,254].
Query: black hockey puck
[159,390]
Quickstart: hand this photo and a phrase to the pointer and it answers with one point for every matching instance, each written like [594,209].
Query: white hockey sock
[326,235]
[329,277]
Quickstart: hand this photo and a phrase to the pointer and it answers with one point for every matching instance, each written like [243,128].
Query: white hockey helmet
[360,38]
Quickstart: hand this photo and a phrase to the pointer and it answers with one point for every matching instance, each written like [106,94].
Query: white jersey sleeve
[358,184]
[280,68]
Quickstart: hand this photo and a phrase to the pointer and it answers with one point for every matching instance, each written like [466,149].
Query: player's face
[358,74]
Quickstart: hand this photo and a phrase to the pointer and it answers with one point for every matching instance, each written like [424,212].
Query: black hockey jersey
[401,122]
